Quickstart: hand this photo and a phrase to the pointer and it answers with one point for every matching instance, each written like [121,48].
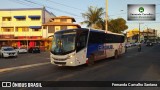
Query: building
[57,24]
[133,36]
[60,23]
[145,35]
[150,35]
[23,27]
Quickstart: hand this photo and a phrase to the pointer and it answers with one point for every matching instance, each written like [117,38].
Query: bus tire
[91,60]
[116,54]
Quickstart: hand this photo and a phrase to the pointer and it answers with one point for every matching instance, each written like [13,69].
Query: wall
[28,22]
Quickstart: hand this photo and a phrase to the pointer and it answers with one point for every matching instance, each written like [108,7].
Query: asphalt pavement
[131,66]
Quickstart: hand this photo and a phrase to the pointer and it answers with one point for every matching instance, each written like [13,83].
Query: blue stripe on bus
[92,48]
[95,48]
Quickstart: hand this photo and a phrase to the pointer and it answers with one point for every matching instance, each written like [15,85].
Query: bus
[75,47]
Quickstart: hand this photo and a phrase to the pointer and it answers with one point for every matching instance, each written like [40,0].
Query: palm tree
[93,17]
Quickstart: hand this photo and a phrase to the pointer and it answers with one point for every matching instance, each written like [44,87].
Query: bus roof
[113,33]
[92,30]
[103,31]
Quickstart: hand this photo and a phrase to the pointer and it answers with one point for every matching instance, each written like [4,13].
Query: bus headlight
[71,62]
[70,56]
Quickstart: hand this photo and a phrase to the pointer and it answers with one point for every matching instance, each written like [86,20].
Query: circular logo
[141,9]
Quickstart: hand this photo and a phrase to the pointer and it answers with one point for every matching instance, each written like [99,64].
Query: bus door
[81,50]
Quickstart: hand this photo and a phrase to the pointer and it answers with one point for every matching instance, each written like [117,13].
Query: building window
[17,29]
[57,29]
[63,27]
[25,29]
[21,19]
[44,27]
[35,19]
[6,18]
[51,29]
[36,29]
[63,20]
[7,29]
[22,29]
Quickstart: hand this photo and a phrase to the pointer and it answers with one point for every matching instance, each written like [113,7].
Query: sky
[75,8]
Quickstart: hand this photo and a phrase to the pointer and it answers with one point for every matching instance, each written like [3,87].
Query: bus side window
[109,38]
[81,42]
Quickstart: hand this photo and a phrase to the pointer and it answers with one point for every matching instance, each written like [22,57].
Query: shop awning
[34,16]
[19,17]
[35,27]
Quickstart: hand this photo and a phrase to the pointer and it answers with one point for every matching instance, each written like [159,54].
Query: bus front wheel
[91,60]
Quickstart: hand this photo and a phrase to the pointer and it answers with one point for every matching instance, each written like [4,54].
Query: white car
[137,43]
[21,50]
[8,51]
[128,45]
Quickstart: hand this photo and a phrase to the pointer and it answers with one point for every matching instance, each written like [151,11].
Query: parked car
[149,44]
[21,50]
[137,43]
[8,51]
[133,44]
[34,50]
[128,45]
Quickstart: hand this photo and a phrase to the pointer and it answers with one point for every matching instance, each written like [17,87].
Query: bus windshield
[63,43]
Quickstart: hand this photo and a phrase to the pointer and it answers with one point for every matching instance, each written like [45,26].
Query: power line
[64,5]
[116,14]
[21,2]
[52,8]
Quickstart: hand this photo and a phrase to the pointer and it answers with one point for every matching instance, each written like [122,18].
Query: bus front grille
[60,62]
[59,59]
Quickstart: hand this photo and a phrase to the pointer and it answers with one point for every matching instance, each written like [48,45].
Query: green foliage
[117,25]
[93,17]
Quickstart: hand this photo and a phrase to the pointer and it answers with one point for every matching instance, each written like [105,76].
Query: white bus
[75,47]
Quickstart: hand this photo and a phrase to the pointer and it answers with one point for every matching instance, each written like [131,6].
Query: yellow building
[23,27]
[133,35]
[145,35]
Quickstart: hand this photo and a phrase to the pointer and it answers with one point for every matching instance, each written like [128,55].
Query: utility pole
[106,15]
[139,32]
[147,34]
[155,35]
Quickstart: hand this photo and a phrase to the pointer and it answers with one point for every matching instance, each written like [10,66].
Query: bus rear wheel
[91,60]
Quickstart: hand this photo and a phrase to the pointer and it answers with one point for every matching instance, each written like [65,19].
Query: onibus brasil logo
[141,9]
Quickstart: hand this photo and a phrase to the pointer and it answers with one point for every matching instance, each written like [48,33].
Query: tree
[117,25]
[93,17]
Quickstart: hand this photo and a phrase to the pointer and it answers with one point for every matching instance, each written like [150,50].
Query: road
[132,66]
